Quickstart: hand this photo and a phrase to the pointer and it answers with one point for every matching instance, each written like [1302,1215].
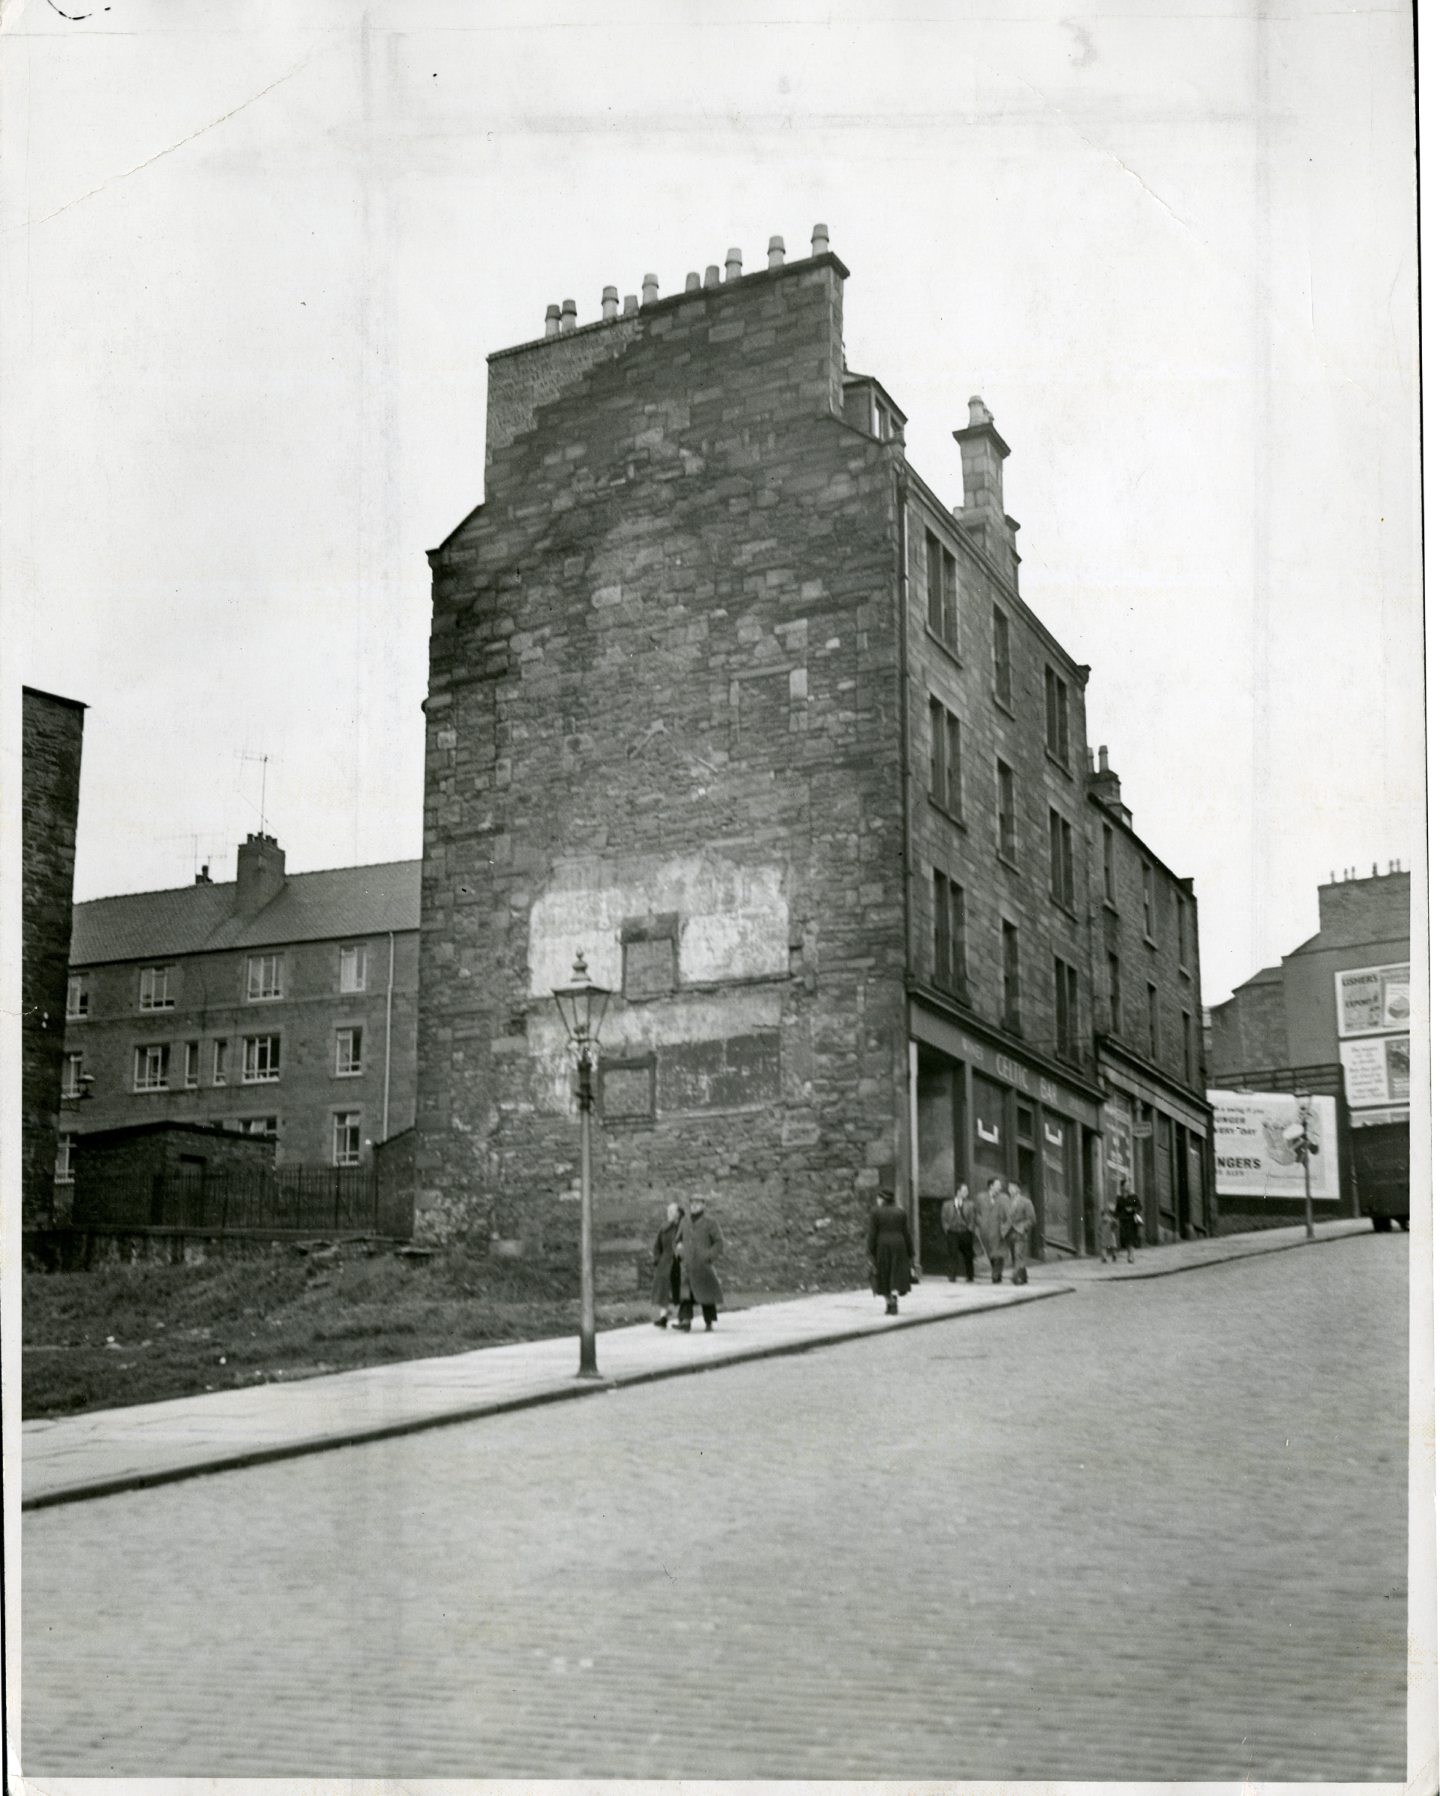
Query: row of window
[159,986]
[345,1140]
[260,1057]
[1148,897]
[951,961]
[942,615]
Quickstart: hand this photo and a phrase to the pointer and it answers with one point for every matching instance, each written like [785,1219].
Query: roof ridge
[215,885]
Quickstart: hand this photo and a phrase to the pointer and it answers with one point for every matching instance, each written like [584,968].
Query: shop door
[1057,1151]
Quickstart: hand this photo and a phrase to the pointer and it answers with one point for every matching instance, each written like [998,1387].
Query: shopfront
[1156,1140]
[982,1111]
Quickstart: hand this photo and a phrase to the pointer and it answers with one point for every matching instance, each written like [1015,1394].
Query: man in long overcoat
[665,1284]
[992,1225]
[957,1219]
[1020,1221]
[699,1245]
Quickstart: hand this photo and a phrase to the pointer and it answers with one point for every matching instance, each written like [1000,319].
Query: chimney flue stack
[732,265]
[982,459]
[692,283]
[820,240]
[609,305]
[776,252]
[650,288]
[552,321]
[567,317]
[632,305]
[712,275]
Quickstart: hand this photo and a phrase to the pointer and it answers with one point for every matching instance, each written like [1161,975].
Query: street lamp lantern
[582,1010]
[582,1005]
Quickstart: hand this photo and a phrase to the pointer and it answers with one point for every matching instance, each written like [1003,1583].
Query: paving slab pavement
[76,1457]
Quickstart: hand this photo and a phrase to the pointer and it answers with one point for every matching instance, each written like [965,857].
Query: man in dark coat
[1131,1218]
[891,1251]
[698,1246]
[957,1218]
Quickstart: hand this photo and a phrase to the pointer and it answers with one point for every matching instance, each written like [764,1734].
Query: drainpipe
[903,662]
[389,1018]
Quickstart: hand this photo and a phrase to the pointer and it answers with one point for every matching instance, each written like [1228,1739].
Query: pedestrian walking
[992,1219]
[957,1219]
[665,1284]
[1127,1208]
[1109,1227]
[891,1250]
[699,1244]
[1019,1224]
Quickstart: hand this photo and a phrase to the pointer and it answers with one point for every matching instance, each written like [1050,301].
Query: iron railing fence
[292,1199]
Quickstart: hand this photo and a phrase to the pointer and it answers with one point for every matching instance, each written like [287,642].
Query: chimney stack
[202,878]
[982,458]
[1104,784]
[259,872]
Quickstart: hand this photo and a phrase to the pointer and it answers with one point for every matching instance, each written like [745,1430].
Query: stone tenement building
[722,695]
[52,737]
[1334,1019]
[277,1004]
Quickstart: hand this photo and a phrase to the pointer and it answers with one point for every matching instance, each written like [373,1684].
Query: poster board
[1252,1157]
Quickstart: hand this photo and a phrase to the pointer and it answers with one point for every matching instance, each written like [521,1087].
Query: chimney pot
[1374,869]
[567,315]
[692,283]
[632,305]
[980,413]
[712,275]
[820,240]
[650,287]
[732,265]
[777,252]
[609,304]
[1104,758]
[552,321]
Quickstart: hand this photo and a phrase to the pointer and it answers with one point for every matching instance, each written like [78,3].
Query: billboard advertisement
[1370,1000]
[1377,1071]
[1252,1156]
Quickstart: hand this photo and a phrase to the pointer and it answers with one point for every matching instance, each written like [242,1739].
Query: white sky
[254,257]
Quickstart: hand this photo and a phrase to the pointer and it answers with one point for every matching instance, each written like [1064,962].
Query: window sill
[265,998]
[954,816]
[1184,972]
[1004,703]
[1069,909]
[1111,906]
[1150,942]
[1006,861]
[155,1009]
[952,654]
[355,1072]
[1055,761]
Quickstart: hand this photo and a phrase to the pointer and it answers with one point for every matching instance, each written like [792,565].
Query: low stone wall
[81,1249]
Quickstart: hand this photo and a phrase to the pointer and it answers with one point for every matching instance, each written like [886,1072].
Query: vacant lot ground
[135,1334]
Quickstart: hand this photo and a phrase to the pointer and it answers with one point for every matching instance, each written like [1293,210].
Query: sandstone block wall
[663,730]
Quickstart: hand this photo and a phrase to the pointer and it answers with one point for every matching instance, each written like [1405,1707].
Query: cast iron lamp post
[1304,1144]
[582,1010]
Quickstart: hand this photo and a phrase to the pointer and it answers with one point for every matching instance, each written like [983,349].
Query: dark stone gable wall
[53,729]
[663,728]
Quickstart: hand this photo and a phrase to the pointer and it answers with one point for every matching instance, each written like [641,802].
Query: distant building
[1333,1018]
[52,738]
[724,695]
[279,1004]
[1149,1030]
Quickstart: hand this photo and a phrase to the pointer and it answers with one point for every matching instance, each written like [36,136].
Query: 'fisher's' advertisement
[1253,1157]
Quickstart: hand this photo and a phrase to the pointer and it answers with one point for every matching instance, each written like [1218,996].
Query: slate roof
[201,919]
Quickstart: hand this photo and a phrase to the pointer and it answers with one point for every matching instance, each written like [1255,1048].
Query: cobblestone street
[1152,1530]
